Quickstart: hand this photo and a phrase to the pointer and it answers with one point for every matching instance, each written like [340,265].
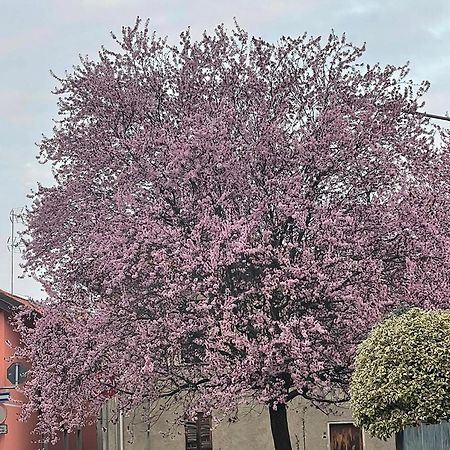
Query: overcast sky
[36,36]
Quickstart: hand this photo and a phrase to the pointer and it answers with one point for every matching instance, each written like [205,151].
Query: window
[345,436]
[198,433]
[192,352]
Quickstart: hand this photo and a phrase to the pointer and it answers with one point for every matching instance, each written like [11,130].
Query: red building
[16,435]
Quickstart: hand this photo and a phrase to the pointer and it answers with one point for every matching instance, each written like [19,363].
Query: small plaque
[3,428]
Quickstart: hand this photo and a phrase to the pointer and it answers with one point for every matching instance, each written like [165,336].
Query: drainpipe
[121,432]
[79,439]
[104,427]
[120,437]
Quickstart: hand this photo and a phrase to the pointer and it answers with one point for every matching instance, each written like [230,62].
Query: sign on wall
[16,373]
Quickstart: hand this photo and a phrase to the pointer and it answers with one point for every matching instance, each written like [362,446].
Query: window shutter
[198,433]
[204,432]
[190,430]
[345,435]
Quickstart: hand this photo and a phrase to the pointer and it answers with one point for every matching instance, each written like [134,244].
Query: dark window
[192,351]
[198,433]
[345,436]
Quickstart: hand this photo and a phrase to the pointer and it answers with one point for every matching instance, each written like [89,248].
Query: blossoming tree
[229,218]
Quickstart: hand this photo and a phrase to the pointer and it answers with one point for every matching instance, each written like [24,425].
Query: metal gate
[424,437]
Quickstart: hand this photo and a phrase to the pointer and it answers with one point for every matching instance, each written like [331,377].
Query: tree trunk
[280,429]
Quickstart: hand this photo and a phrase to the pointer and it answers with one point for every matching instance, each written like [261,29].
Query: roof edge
[9,302]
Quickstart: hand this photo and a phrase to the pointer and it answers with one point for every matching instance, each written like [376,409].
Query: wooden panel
[445,433]
[432,437]
[412,438]
[204,432]
[345,436]
[426,437]
[198,433]
[190,429]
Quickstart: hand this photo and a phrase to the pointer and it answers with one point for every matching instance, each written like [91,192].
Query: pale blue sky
[36,36]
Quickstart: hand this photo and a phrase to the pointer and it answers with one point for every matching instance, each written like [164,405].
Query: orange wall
[19,436]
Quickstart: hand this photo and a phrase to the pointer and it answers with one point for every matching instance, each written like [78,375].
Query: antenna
[14,242]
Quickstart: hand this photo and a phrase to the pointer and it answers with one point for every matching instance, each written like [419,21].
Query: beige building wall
[308,429]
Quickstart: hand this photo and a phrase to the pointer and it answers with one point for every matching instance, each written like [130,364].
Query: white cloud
[104,3]
[16,42]
[356,8]
[440,30]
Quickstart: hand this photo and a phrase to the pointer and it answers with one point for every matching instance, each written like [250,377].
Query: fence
[425,437]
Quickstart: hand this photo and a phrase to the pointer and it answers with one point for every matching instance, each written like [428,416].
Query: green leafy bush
[402,373]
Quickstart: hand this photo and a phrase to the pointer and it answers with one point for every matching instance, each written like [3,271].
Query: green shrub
[402,373]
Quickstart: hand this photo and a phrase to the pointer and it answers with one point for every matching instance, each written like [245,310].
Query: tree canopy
[230,217]
[402,373]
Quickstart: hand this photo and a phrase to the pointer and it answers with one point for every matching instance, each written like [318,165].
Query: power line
[432,116]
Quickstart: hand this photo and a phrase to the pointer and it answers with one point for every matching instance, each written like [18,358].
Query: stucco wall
[308,429]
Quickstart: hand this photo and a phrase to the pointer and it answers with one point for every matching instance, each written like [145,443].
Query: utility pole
[14,245]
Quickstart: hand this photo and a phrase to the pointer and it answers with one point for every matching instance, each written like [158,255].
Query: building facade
[310,429]
[14,434]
